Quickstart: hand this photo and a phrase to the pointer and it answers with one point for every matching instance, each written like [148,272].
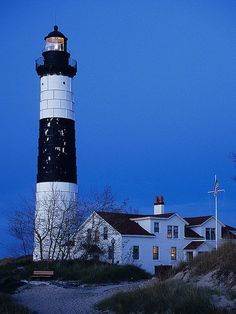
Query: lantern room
[55,57]
[55,41]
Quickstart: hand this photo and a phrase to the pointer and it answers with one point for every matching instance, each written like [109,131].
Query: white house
[150,241]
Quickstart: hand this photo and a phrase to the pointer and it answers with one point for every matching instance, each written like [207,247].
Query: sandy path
[50,298]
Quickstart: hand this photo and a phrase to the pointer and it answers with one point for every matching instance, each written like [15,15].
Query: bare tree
[21,227]
[46,226]
[103,201]
[56,223]
[52,222]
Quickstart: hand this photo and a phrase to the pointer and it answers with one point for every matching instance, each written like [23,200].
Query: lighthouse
[56,188]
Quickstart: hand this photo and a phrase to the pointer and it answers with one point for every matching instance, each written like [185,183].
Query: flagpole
[215,193]
[216,215]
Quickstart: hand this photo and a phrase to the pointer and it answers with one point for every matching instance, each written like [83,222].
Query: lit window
[210,234]
[105,233]
[155,252]
[173,253]
[135,252]
[156,226]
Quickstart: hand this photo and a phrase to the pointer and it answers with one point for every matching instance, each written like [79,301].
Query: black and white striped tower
[56,146]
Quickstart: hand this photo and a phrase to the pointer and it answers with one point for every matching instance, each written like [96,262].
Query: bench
[43,274]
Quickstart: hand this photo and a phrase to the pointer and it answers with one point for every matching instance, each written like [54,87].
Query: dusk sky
[155,100]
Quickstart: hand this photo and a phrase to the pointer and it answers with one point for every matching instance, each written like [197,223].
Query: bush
[13,272]
[165,297]
[9,285]
[8,306]
[221,260]
[93,272]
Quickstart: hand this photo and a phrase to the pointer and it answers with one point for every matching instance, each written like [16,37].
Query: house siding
[124,243]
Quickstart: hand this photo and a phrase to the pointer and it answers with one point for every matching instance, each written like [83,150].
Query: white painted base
[54,202]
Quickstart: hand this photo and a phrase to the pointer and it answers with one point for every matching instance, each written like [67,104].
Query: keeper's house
[150,241]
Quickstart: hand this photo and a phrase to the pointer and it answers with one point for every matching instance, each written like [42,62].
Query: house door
[189,256]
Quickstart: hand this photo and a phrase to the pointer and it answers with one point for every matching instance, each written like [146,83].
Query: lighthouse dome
[55,33]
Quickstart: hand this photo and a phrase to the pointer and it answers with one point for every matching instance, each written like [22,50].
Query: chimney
[159,205]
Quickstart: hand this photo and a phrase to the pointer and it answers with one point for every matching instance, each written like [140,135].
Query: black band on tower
[57,154]
[56,62]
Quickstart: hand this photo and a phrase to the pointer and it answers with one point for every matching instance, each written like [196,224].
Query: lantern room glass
[55,44]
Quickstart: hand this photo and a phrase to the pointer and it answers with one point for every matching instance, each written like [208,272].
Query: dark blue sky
[155,92]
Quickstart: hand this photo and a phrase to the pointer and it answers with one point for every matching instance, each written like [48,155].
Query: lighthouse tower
[56,175]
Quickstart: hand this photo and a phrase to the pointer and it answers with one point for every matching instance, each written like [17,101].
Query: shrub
[91,272]
[84,271]
[165,297]
[221,260]
[8,306]
[9,285]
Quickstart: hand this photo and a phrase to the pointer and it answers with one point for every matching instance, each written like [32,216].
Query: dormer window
[210,234]
[172,232]
[55,44]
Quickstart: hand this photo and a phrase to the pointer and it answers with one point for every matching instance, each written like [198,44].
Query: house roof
[230,228]
[195,221]
[189,233]
[193,245]
[228,232]
[159,216]
[122,223]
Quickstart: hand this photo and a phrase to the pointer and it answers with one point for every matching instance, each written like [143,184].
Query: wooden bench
[43,274]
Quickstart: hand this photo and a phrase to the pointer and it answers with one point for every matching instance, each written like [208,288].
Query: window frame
[175,234]
[155,256]
[156,227]
[210,234]
[96,235]
[89,235]
[172,232]
[135,254]
[105,233]
[173,256]
[169,231]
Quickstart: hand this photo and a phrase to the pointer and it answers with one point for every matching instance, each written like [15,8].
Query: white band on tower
[56,97]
